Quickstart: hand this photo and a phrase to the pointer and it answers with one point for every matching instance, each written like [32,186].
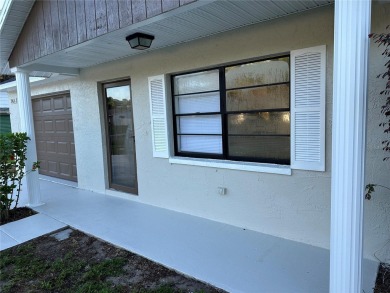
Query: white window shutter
[158,115]
[308,80]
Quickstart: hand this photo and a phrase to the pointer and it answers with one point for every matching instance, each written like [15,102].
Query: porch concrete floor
[228,257]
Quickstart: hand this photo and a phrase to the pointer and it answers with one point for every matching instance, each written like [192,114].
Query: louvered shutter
[308,69]
[158,116]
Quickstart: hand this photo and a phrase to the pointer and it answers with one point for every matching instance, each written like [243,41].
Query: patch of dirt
[382,284]
[81,263]
[18,214]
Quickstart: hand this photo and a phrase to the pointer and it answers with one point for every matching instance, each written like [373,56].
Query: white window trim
[232,165]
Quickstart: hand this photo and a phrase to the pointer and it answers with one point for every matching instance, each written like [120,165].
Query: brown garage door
[54,136]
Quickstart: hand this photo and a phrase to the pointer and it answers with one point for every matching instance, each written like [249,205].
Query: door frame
[104,86]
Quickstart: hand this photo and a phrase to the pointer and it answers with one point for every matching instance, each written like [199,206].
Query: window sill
[232,165]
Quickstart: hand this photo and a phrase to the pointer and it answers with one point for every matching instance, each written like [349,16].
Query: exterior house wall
[295,207]
[376,211]
[4,103]
[5,125]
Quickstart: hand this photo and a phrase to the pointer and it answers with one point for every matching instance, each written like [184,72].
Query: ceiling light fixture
[140,41]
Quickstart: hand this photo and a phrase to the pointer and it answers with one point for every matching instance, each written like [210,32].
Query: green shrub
[13,149]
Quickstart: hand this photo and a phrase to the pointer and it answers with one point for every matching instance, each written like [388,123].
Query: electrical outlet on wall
[222,190]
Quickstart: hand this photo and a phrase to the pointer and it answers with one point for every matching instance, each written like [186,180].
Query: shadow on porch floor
[228,257]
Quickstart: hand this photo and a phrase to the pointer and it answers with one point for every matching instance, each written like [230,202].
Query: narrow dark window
[121,153]
[239,112]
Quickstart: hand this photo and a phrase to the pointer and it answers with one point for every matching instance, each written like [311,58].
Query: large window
[239,112]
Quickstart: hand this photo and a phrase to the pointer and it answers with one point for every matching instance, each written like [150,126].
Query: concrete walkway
[15,233]
[228,257]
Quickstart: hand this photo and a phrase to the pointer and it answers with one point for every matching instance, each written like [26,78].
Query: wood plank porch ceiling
[193,21]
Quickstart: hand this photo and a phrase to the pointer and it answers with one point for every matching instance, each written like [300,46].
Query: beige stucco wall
[377,210]
[295,207]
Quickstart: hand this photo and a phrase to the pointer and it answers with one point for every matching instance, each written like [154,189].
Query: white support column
[352,25]
[27,125]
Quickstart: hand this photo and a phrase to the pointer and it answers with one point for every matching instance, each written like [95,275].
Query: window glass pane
[262,123]
[202,124]
[211,144]
[258,73]
[121,137]
[266,97]
[197,82]
[269,148]
[197,103]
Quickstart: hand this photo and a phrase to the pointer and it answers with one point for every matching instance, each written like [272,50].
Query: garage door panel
[38,127]
[52,166]
[51,147]
[37,106]
[72,149]
[59,104]
[56,147]
[57,151]
[56,169]
[65,169]
[48,114]
[70,125]
[56,157]
[48,126]
[57,126]
[41,145]
[46,105]
[42,165]
[63,148]
[68,103]
[54,136]
[61,126]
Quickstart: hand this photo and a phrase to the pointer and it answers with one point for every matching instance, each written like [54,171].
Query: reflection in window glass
[261,123]
[121,138]
[197,103]
[196,82]
[119,110]
[202,124]
[268,148]
[258,73]
[265,97]
[208,144]
[239,112]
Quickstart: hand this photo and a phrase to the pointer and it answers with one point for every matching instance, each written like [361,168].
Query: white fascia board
[4,12]
[50,68]
[8,86]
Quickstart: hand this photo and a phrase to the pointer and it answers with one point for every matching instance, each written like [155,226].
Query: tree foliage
[383,39]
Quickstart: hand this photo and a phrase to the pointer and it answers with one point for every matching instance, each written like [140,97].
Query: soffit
[12,18]
[209,18]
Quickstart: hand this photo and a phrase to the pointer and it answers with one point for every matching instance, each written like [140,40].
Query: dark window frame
[224,114]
